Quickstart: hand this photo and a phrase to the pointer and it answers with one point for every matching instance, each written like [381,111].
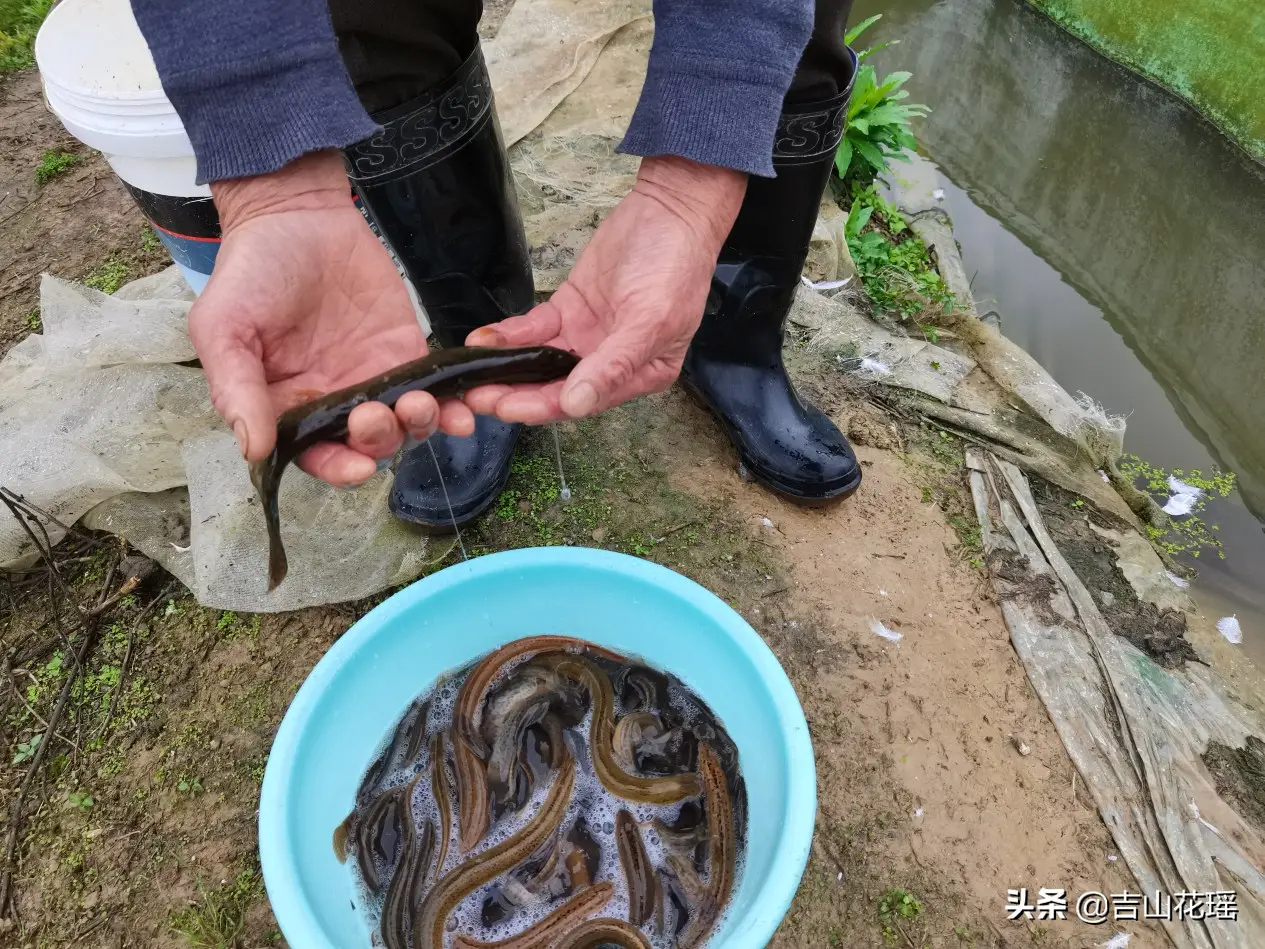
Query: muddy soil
[78,223]
[1159,634]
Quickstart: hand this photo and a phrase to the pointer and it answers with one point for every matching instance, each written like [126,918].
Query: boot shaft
[760,263]
[778,214]
[436,182]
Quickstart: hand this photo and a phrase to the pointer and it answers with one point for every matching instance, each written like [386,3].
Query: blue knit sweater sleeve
[718,72]
[257,83]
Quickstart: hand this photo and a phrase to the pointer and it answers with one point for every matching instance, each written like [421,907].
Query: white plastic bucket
[100,81]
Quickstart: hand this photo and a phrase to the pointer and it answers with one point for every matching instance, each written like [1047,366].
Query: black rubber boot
[734,365]
[436,184]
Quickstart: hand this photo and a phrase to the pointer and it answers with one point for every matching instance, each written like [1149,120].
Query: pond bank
[1206,52]
[1117,235]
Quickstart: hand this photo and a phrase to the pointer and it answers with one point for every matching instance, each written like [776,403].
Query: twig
[900,930]
[83,197]
[12,214]
[39,512]
[892,556]
[19,508]
[34,714]
[128,585]
[126,664]
[781,589]
[19,801]
[679,527]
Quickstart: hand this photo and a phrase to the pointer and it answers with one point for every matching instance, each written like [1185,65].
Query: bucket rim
[40,50]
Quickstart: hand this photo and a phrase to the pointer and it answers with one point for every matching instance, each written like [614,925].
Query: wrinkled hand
[304,300]
[631,303]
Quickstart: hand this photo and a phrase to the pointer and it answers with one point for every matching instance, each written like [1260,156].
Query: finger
[372,429]
[532,405]
[538,326]
[337,464]
[610,371]
[483,399]
[418,413]
[455,418]
[235,375]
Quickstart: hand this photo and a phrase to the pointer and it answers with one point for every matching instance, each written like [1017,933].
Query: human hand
[633,300]
[304,300]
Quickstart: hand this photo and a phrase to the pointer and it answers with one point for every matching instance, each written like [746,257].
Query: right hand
[304,300]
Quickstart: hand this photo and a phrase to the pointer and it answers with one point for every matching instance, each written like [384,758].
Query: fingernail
[485,336]
[580,400]
[428,418]
[239,432]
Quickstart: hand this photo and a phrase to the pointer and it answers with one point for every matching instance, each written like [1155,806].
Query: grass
[897,906]
[894,264]
[1207,52]
[109,275]
[19,22]
[217,919]
[1187,533]
[53,163]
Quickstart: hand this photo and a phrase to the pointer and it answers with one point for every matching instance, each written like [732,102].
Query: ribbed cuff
[265,117]
[710,112]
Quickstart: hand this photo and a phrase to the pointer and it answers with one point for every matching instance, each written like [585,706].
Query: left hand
[633,300]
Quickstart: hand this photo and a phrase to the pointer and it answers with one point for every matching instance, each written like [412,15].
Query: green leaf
[874,49]
[858,217]
[891,83]
[888,113]
[861,89]
[873,241]
[871,153]
[862,125]
[850,36]
[843,157]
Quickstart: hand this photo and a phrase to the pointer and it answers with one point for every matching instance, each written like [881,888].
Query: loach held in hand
[444,374]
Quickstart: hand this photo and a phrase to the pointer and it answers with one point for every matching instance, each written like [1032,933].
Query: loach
[444,374]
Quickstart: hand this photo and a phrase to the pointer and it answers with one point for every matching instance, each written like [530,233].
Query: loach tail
[264,475]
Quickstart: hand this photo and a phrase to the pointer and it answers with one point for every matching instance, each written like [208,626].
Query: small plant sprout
[26,749]
[80,799]
[53,163]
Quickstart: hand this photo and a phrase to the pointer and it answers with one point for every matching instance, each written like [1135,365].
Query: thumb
[598,381]
[239,389]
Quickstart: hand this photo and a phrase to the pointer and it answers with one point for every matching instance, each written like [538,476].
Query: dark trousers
[396,49]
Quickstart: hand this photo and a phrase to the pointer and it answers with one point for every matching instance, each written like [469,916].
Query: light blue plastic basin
[360,688]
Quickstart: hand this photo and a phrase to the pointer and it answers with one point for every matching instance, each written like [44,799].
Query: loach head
[266,477]
[563,361]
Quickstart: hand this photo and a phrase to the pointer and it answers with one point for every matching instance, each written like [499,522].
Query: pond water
[1121,239]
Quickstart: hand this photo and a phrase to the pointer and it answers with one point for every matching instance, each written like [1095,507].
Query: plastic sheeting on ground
[1135,731]
[101,420]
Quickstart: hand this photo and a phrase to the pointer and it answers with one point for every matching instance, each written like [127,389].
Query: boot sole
[803,500]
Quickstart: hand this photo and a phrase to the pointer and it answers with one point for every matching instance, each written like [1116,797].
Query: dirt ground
[145,831]
[78,224]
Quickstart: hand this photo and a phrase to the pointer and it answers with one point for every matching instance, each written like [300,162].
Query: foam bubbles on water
[590,802]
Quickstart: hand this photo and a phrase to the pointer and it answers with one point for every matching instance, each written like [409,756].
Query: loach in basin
[360,690]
